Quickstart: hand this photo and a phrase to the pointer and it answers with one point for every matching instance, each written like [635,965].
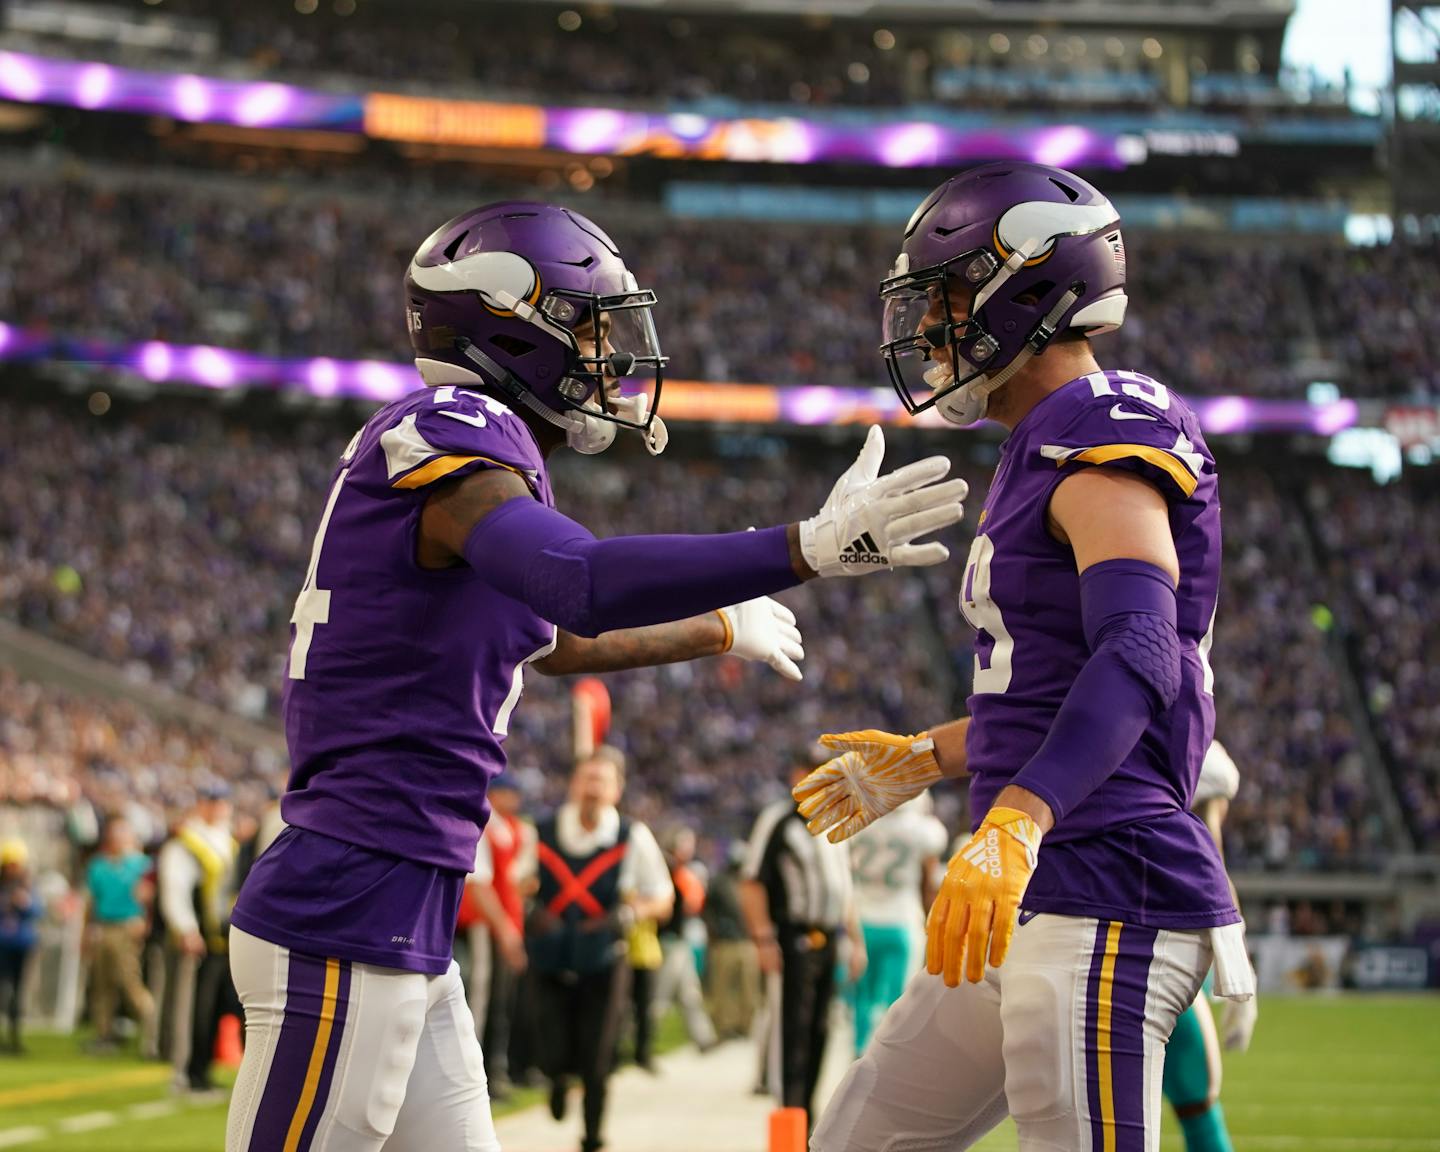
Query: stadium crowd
[276,273]
[1383,554]
[170,539]
[517,51]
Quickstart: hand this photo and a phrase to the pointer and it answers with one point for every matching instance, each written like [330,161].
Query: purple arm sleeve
[1133,675]
[587,586]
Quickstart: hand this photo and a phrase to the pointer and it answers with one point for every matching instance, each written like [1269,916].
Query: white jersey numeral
[1132,384]
[312,606]
[447,395]
[501,727]
[984,615]
[1204,653]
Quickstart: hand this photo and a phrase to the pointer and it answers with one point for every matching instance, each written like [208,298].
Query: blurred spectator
[20,911]
[731,970]
[678,980]
[197,888]
[487,935]
[511,841]
[120,891]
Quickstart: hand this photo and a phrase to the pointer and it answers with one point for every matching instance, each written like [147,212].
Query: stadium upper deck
[1198,55]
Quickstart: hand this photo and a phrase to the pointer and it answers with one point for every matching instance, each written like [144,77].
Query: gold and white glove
[973,918]
[875,773]
[764,629]
[869,520]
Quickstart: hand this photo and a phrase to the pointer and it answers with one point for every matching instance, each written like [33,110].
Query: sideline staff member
[796,898]
[599,873]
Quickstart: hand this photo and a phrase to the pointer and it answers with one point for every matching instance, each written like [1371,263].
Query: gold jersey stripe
[442,466]
[1184,479]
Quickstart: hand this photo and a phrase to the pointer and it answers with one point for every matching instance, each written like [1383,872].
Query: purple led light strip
[595,131]
[381,381]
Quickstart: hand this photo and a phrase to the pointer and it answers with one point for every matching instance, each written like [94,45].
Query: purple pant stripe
[1092,1069]
[285,1083]
[332,1057]
[1127,1037]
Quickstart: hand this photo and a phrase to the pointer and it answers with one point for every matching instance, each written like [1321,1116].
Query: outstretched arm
[690,639]
[588,586]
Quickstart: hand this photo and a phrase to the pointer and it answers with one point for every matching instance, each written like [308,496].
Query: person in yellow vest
[196,873]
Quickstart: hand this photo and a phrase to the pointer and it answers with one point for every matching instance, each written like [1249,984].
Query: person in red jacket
[512,859]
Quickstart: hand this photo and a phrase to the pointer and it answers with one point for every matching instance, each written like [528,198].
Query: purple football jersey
[1132,850]
[398,694]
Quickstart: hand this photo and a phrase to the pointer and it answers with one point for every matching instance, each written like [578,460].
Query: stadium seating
[219,264]
[532,52]
[170,541]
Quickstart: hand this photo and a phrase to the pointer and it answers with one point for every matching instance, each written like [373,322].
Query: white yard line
[13,1137]
[151,1110]
[87,1122]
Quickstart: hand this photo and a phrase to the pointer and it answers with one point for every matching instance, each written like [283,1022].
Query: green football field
[1350,1074]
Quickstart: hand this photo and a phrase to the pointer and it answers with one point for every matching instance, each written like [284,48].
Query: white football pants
[1068,1037]
[347,1057]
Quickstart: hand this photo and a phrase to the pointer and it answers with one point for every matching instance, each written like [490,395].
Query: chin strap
[587,433]
[508,384]
[980,390]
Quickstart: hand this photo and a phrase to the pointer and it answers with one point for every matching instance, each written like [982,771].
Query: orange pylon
[228,1049]
[787,1130]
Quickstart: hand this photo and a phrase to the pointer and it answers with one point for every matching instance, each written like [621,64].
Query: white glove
[1237,1023]
[764,629]
[868,521]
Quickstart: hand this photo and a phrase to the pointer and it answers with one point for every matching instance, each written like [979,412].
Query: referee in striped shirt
[796,899]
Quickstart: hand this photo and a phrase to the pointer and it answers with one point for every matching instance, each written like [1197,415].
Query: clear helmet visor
[620,366]
[921,336]
[931,343]
[913,361]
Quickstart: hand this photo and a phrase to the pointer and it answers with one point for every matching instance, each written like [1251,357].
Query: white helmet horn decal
[500,277]
[1046,221]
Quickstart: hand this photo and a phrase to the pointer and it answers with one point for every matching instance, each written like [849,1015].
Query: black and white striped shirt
[806,878]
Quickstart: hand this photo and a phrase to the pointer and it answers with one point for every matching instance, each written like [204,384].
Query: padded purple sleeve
[544,559]
[1133,675]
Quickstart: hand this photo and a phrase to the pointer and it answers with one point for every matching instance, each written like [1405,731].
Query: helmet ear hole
[1033,294]
[512,345]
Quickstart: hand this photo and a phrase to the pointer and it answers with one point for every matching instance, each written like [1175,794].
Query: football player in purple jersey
[440,569]
[1091,586]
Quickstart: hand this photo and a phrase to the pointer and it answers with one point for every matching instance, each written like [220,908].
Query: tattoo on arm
[453,510]
[637,647]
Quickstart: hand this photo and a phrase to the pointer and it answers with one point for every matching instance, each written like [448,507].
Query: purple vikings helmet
[534,301]
[1036,250]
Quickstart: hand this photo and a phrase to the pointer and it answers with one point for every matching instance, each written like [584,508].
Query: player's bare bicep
[453,510]
[1106,514]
